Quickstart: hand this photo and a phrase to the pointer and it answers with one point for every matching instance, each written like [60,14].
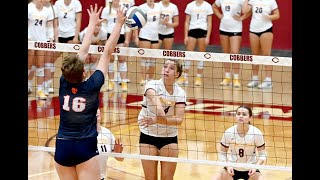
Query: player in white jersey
[197,31]
[230,13]
[99,37]
[128,32]
[51,56]
[106,143]
[261,36]
[149,38]
[242,143]
[69,14]
[109,15]
[40,28]
[169,19]
[163,109]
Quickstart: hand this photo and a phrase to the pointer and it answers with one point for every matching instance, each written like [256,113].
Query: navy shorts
[159,142]
[72,152]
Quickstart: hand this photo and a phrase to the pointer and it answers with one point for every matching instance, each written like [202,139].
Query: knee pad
[200,64]
[187,64]
[123,67]
[40,72]
[111,67]
[49,66]
[151,62]
[93,66]
[144,62]
[86,67]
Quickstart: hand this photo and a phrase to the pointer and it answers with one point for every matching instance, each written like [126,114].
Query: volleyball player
[149,38]
[242,143]
[50,56]
[109,14]
[128,32]
[98,38]
[106,143]
[197,31]
[69,14]
[40,28]
[261,36]
[76,142]
[163,109]
[169,19]
[231,16]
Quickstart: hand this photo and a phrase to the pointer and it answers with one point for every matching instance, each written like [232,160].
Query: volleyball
[136,17]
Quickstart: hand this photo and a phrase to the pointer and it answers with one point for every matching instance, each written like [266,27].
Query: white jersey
[106,140]
[127,3]
[150,30]
[199,15]
[37,22]
[168,102]
[169,11]
[229,9]
[111,18]
[260,8]
[243,149]
[101,36]
[67,17]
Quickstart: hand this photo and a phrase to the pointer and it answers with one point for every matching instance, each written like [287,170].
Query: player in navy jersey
[76,142]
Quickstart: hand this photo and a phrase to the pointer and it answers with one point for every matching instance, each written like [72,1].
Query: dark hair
[246,107]
[178,65]
[72,68]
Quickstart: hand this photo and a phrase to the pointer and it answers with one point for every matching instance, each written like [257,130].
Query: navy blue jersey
[78,107]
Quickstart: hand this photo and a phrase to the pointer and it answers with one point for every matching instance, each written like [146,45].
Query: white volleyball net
[210,111]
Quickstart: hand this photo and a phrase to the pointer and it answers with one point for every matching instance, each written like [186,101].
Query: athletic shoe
[41,94]
[253,83]
[29,90]
[226,82]
[182,81]
[124,87]
[110,85]
[236,83]
[265,85]
[142,82]
[197,81]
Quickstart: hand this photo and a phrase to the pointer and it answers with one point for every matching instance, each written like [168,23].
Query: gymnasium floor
[209,112]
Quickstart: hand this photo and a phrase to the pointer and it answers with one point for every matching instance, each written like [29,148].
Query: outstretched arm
[111,42]
[94,15]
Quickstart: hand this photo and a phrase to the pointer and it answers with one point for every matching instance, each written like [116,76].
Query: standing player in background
[40,28]
[231,16]
[51,56]
[243,140]
[197,31]
[69,14]
[163,109]
[99,37]
[106,143]
[149,38]
[128,32]
[261,36]
[76,142]
[169,19]
[109,15]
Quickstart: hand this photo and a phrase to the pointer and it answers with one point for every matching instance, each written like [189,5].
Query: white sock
[267,79]
[255,78]
[199,75]
[228,75]
[235,76]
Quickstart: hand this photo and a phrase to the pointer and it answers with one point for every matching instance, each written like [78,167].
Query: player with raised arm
[163,109]
[76,155]
[242,143]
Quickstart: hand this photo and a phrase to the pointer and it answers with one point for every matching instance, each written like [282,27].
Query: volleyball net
[210,106]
